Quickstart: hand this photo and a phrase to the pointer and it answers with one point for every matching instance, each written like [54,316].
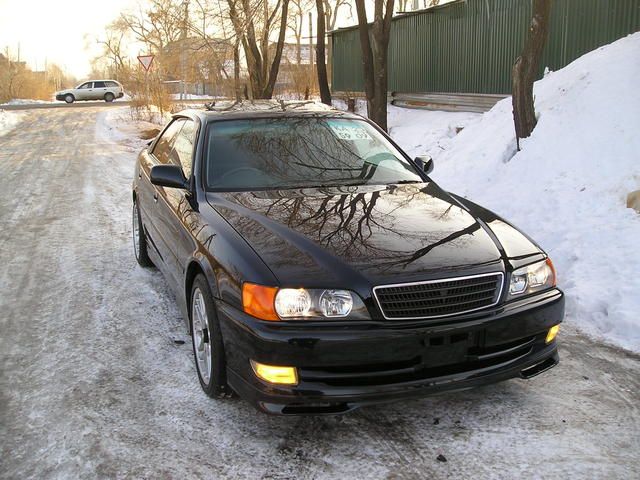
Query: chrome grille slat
[492,292]
[439,298]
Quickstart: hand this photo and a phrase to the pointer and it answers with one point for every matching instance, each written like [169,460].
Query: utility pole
[311,47]
[183,94]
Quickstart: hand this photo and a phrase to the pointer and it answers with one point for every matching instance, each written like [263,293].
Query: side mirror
[425,163]
[168,176]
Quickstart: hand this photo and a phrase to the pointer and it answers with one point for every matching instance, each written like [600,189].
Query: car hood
[377,234]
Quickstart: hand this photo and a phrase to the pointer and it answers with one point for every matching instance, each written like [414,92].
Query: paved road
[93,384]
[91,104]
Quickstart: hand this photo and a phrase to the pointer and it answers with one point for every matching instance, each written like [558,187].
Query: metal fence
[470,45]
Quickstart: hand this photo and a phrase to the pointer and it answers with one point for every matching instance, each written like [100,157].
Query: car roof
[229,110]
[100,80]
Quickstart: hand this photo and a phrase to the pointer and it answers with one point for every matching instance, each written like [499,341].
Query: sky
[62,32]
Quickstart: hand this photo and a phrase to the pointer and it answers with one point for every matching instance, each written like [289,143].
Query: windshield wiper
[404,182]
[330,185]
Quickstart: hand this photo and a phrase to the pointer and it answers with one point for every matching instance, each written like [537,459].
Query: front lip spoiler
[540,367]
[278,404]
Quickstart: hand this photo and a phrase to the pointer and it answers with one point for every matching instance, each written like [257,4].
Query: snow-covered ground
[116,125]
[25,101]
[192,96]
[97,378]
[8,121]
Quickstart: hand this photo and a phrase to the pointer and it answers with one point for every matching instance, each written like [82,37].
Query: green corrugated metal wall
[470,45]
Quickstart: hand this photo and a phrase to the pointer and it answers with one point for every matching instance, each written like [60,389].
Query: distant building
[205,65]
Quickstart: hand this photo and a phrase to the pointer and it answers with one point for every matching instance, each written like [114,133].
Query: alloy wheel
[200,332]
[136,230]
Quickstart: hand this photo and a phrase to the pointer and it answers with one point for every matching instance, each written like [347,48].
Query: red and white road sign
[146,61]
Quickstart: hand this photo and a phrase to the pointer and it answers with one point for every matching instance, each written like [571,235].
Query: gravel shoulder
[94,385]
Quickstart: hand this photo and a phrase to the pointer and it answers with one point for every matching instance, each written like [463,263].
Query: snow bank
[427,132]
[8,120]
[420,132]
[25,101]
[116,125]
[193,96]
[568,185]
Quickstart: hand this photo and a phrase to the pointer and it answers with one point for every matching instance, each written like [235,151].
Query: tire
[108,97]
[69,98]
[139,238]
[207,341]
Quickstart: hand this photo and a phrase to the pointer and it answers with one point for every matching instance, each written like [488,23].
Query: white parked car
[107,90]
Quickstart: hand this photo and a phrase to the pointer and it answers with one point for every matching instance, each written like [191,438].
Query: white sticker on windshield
[349,131]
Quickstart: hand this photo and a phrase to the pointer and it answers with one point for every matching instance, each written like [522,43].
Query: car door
[99,89]
[175,210]
[160,154]
[82,92]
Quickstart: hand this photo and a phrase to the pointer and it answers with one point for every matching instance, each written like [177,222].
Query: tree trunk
[299,38]
[525,69]
[236,71]
[275,65]
[323,82]
[374,42]
[262,72]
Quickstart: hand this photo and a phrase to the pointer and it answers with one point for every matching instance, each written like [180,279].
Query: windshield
[262,154]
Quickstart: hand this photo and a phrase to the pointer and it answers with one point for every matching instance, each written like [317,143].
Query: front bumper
[60,96]
[342,366]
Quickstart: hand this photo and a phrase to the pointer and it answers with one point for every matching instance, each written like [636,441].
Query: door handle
[139,174]
[155,197]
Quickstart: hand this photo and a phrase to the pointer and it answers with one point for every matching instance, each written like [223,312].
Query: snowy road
[93,384]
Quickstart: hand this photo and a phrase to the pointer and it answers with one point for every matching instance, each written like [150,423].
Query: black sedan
[320,269]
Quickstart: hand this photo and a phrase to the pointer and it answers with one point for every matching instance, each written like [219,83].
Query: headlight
[308,303]
[293,302]
[336,303]
[532,278]
[273,304]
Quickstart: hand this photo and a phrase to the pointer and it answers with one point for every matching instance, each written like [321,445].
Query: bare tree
[112,49]
[323,81]
[331,9]
[254,22]
[374,42]
[162,23]
[296,22]
[525,69]
[209,23]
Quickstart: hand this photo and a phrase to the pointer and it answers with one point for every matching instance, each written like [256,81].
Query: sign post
[146,61]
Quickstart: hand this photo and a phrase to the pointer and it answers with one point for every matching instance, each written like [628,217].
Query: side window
[183,147]
[98,85]
[111,84]
[86,85]
[163,148]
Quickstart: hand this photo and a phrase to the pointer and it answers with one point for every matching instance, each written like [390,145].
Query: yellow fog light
[274,374]
[553,331]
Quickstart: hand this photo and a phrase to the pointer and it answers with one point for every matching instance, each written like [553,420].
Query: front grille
[439,298]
